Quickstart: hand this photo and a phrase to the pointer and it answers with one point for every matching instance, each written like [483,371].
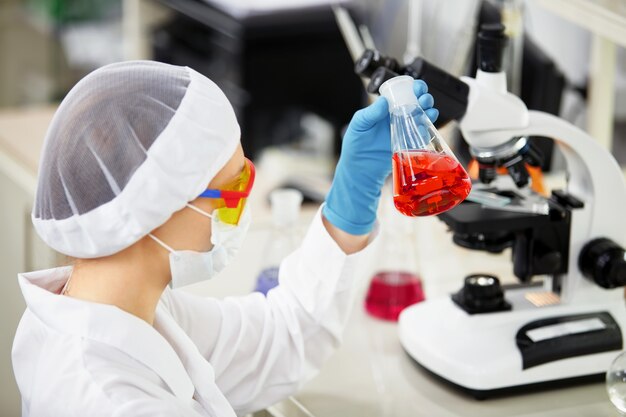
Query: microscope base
[481,395]
[490,353]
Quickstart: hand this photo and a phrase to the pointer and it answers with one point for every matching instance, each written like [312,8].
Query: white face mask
[188,267]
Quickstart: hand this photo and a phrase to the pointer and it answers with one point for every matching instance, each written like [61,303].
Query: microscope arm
[594,177]
[593,174]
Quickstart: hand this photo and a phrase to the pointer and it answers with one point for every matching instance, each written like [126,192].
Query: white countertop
[372,376]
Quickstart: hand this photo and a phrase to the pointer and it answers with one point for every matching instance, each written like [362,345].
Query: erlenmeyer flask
[427,177]
[396,283]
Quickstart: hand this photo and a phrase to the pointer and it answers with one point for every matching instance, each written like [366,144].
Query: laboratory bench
[369,375]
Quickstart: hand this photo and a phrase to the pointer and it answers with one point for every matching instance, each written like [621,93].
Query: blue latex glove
[365,163]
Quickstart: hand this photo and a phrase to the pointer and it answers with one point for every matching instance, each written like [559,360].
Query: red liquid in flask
[391,292]
[427,183]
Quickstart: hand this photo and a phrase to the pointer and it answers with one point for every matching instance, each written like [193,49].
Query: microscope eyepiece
[371,60]
[365,65]
[450,93]
[491,43]
[378,78]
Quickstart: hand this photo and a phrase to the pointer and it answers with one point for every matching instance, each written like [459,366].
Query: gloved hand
[365,163]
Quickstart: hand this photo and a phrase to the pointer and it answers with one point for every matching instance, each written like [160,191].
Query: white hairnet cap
[131,144]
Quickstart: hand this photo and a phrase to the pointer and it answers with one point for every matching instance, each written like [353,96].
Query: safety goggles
[231,199]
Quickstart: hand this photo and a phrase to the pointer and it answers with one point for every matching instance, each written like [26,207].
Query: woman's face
[189,230]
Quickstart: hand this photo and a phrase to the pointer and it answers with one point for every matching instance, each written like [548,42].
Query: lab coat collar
[105,324]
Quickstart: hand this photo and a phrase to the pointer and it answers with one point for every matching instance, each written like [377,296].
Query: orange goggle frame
[232,199]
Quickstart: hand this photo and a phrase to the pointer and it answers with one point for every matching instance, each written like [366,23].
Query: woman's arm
[263,349]
[347,242]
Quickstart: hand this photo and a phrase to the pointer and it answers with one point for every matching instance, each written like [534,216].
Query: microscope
[487,337]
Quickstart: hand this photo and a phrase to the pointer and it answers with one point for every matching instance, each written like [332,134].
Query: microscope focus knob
[604,262]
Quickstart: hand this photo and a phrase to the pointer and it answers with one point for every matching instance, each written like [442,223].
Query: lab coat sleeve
[151,407]
[263,349]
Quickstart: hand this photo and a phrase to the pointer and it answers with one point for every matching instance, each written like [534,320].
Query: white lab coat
[202,357]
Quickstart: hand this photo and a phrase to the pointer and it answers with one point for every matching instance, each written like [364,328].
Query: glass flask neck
[411,129]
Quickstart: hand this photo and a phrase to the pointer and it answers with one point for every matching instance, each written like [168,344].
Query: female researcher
[144,182]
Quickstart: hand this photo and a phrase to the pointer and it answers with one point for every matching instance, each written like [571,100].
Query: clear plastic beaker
[427,177]
[284,238]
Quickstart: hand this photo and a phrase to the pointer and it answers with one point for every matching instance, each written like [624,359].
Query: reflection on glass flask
[283,239]
[616,382]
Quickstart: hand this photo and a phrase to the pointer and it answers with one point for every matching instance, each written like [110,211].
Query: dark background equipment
[273,67]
